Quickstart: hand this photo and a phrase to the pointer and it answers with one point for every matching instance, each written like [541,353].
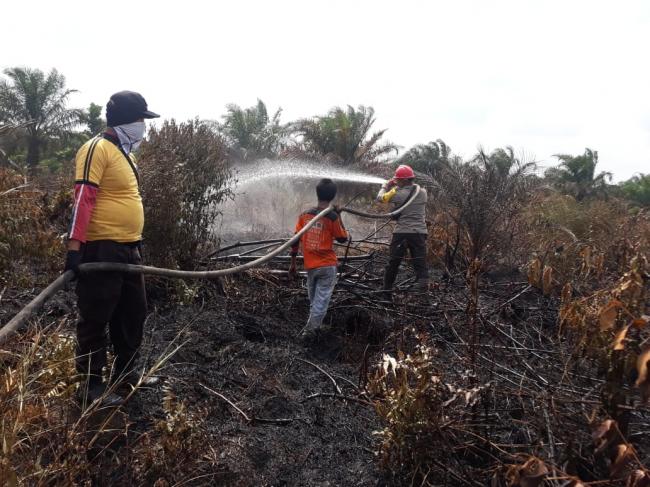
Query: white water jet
[296,169]
[270,194]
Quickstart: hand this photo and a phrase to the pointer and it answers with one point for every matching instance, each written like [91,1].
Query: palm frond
[576,175]
[39,102]
[343,135]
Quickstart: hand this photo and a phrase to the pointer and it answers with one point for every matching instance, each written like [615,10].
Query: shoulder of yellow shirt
[90,150]
[102,144]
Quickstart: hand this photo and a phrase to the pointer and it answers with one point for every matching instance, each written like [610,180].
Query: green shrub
[637,189]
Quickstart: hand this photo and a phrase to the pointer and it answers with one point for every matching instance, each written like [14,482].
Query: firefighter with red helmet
[410,231]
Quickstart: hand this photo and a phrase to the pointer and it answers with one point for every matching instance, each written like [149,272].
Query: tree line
[46,132]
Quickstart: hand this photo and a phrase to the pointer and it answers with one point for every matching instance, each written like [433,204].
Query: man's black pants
[416,245]
[112,298]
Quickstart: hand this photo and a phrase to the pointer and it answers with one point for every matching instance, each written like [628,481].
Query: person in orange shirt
[320,260]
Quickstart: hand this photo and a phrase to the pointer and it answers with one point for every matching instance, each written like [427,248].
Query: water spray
[297,169]
[270,194]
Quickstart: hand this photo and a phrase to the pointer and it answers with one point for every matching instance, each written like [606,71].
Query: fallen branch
[12,327]
[336,386]
[221,396]
[500,307]
[246,417]
[273,421]
[14,189]
[337,396]
[281,258]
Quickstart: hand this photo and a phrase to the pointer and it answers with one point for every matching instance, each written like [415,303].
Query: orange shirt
[317,243]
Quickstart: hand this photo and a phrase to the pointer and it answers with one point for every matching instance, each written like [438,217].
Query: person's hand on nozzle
[390,183]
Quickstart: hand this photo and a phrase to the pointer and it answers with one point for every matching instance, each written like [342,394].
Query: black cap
[326,190]
[127,107]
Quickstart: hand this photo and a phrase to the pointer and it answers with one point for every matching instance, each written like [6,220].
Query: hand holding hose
[293,271]
[72,261]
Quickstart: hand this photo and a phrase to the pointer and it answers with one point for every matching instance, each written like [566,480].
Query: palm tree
[502,160]
[428,158]
[637,189]
[484,195]
[5,132]
[344,136]
[251,133]
[92,119]
[29,96]
[577,175]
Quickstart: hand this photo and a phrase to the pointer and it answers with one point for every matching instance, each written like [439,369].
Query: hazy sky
[546,76]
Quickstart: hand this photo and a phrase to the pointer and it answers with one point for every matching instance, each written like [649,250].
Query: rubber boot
[95,391]
[126,382]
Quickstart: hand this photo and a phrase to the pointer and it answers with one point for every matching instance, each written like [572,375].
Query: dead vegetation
[525,364]
[185,176]
[49,440]
[29,241]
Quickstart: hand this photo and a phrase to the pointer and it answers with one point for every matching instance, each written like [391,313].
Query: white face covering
[130,135]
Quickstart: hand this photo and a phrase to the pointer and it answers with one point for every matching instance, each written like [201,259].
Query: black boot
[125,382]
[93,391]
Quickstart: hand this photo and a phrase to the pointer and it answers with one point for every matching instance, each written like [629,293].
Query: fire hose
[60,283]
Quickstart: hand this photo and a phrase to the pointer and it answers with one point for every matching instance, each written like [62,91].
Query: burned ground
[267,409]
[247,349]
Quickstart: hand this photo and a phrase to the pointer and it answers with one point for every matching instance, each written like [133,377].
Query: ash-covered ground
[273,410]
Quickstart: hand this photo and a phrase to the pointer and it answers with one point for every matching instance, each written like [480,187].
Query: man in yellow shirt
[107,222]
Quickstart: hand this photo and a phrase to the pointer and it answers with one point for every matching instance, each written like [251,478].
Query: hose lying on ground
[35,304]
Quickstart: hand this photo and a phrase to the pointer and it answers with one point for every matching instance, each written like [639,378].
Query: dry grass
[48,438]
[30,248]
[425,413]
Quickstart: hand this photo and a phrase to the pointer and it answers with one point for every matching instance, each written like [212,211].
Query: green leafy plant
[430,159]
[576,175]
[637,189]
[92,118]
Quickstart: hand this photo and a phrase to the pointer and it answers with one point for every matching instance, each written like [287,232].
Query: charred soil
[265,408]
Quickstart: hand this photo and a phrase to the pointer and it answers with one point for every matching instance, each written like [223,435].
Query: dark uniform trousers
[415,243]
[115,299]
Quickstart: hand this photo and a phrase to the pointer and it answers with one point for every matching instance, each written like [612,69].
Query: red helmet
[404,172]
